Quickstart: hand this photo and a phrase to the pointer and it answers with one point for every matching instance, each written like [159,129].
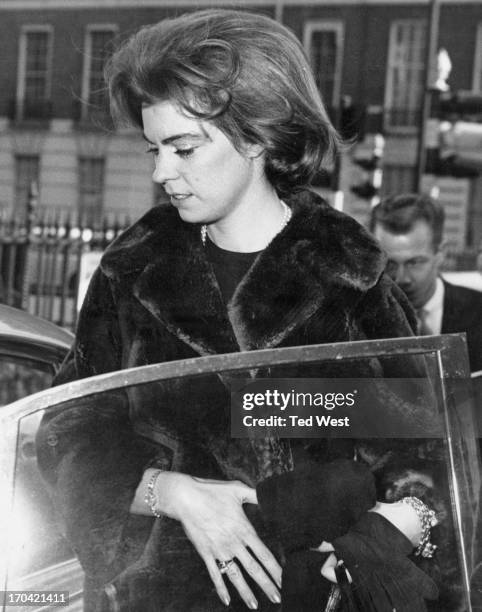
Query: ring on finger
[225,566]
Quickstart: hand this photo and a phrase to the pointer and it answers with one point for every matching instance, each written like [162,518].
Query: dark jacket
[155,299]
[462,312]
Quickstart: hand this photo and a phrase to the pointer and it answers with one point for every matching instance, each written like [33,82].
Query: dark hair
[244,72]
[398,215]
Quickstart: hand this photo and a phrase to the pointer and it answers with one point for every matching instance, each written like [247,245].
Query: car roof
[17,324]
[471,279]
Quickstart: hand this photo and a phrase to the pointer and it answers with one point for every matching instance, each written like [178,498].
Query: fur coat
[155,299]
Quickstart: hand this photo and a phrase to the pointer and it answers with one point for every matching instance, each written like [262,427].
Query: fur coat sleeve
[91,435]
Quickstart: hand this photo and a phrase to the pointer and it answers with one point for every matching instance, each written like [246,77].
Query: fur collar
[162,260]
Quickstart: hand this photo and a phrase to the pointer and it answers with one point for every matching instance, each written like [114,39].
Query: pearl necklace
[284,222]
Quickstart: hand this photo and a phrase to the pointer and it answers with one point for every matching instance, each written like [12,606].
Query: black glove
[315,502]
[304,588]
[375,553]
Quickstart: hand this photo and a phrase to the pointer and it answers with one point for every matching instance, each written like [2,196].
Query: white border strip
[22,5]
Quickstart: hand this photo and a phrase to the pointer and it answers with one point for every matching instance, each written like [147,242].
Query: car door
[31,351]
[39,558]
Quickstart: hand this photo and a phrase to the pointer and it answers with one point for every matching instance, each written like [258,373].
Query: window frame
[88,214]
[477,76]
[18,186]
[389,77]
[22,63]
[87,61]
[328,25]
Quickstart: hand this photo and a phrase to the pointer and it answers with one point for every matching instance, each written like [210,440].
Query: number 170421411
[23,598]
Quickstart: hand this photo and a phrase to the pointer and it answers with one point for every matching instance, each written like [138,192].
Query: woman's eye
[152,149]
[184,153]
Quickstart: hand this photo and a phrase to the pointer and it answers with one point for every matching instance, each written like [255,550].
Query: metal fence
[41,259]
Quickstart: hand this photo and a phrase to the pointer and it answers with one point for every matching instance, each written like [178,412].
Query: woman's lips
[180,196]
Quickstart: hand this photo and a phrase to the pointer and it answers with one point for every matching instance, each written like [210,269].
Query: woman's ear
[254,151]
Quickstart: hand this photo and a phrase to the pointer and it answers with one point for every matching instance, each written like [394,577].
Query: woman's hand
[403,517]
[328,569]
[213,518]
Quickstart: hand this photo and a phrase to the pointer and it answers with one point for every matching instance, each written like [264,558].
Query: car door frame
[452,370]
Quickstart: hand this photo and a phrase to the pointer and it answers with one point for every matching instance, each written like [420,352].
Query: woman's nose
[164,169]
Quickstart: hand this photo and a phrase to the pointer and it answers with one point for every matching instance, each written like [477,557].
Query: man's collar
[437,299]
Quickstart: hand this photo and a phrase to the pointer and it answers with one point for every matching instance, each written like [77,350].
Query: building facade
[54,122]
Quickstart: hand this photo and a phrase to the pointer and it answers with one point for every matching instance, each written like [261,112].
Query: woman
[243,258]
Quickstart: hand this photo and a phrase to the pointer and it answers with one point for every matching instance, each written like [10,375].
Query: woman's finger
[328,569]
[217,579]
[248,495]
[219,529]
[265,557]
[236,577]
[254,569]
[324,547]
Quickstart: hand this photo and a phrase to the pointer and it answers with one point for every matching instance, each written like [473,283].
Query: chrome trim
[230,362]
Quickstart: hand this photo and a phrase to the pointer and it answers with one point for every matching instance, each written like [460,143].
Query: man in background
[410,228]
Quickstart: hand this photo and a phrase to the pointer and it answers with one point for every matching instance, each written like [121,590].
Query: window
[98,46]
[397,179]
[405,74]
[323,43]
[26,172]
[91,189]
[34,73]
[477,80]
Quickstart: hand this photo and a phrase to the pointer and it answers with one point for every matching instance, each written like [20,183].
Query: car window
[21,377]
[42,558]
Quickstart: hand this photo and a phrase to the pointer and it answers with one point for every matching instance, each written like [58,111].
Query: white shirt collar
[434,308]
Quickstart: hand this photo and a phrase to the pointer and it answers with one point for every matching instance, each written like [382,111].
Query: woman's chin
[189,216]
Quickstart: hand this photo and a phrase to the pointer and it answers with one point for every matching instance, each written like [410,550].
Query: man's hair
[244,72]
[399,214]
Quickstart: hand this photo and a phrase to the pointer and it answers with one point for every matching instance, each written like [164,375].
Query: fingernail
[226,600]
[253,604]
[275,598]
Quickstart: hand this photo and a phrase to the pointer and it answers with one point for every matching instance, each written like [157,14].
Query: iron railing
[41,256]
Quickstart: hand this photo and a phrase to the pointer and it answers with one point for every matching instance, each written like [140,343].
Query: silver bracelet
[150,498]
[428,520]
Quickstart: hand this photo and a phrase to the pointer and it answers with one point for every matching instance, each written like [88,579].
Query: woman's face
[206,178]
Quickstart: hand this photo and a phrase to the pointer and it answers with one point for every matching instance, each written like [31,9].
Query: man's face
[412,261]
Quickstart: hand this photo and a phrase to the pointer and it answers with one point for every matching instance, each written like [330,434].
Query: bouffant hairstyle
[398,215]
[244,72]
